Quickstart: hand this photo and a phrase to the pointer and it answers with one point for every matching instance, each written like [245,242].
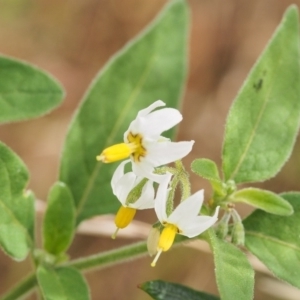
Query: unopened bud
[222,226]
[238,234]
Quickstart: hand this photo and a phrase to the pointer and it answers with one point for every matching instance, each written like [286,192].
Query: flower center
[139,151]
[116,152]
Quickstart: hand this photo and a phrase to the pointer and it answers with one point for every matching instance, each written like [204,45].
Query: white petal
[147,197]
[137,125]
[159,121]
[119,172]
[144,112]
[124,186]
[161,198]
[197,225]
[144,169]
[187,209]
[162,153]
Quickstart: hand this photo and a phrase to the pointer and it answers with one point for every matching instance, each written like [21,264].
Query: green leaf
[151,67]
[16,206]
[264,200]
[162,290]
[62,283]
[208,169]
[59,221]
[275,240]
[264,119]
[234,274]
[26,91]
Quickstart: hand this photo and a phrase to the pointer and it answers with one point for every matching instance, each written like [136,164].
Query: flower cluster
[148,151]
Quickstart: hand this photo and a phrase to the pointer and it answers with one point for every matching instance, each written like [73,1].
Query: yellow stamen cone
[116,152]
[165,241]
[123,217]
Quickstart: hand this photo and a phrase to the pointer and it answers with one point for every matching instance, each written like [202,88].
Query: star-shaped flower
[133,192]
[183,220]
[145,145]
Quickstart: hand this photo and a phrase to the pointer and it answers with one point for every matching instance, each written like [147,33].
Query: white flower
[183,220]
[145,145]
[122,184]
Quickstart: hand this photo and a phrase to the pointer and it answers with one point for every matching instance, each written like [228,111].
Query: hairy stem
[21,289]
[108,258]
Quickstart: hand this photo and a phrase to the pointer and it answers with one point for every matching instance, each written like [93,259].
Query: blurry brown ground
[73,40]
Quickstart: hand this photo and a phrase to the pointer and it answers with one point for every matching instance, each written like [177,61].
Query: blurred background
[73,40]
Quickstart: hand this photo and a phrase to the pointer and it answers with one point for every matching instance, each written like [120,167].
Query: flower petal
[147,197]
[137,125]
[144,169]
[165,152]
[197,225]
[159,121]
[124,186]
[118,174]
[144,112]
[161,198]
[187,209]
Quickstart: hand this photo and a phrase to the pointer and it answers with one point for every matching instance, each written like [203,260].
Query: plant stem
[21,289]
[111,257]
[101,260]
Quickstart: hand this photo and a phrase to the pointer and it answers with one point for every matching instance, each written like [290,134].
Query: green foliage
[59,220]
[16,206]
[275,240]
[149,68]
[162,290]
[260,132]
[62,283]
[264,200]
[208,169]
[234,274]
[26,91]
[264,119]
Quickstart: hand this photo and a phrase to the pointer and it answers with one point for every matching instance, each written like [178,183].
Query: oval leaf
[275,240]
[208,169]
[149,68]
[26,91]
[264,200]
[231,267]
[63,284]
[162,290]
[264,119]
[16,206]
[59,221]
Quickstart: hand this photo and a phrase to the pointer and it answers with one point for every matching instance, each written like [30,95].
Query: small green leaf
[59,221]
[275,240]
[162,290]
[62,283]
[234,274]
[264,119]
[208,169]
[16,206]
[151,67]
[26,91]
[264,200]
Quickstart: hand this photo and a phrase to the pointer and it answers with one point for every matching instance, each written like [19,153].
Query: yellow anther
[116,152]
[123,217]
[165,241]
